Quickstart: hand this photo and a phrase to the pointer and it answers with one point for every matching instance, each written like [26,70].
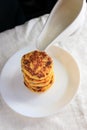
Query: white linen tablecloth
[74,115]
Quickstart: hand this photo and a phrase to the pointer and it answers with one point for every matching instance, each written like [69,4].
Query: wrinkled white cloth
[74,115]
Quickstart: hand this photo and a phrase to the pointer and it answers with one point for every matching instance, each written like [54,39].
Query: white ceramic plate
[27,103]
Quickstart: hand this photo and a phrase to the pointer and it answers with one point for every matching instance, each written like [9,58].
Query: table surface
[74,115]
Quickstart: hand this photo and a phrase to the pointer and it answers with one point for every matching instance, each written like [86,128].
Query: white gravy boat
[65,19]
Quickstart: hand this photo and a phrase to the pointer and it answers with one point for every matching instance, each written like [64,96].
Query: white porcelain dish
[27,103]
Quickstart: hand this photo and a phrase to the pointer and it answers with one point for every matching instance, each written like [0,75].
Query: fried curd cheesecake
[37,69]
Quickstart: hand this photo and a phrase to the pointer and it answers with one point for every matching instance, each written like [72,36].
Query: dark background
[17,12]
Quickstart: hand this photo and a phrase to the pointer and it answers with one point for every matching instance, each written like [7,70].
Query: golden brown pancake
[38,88]
[37,64]
[38,82]
[37,68]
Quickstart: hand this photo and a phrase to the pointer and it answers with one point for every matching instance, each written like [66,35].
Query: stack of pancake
[37,68]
